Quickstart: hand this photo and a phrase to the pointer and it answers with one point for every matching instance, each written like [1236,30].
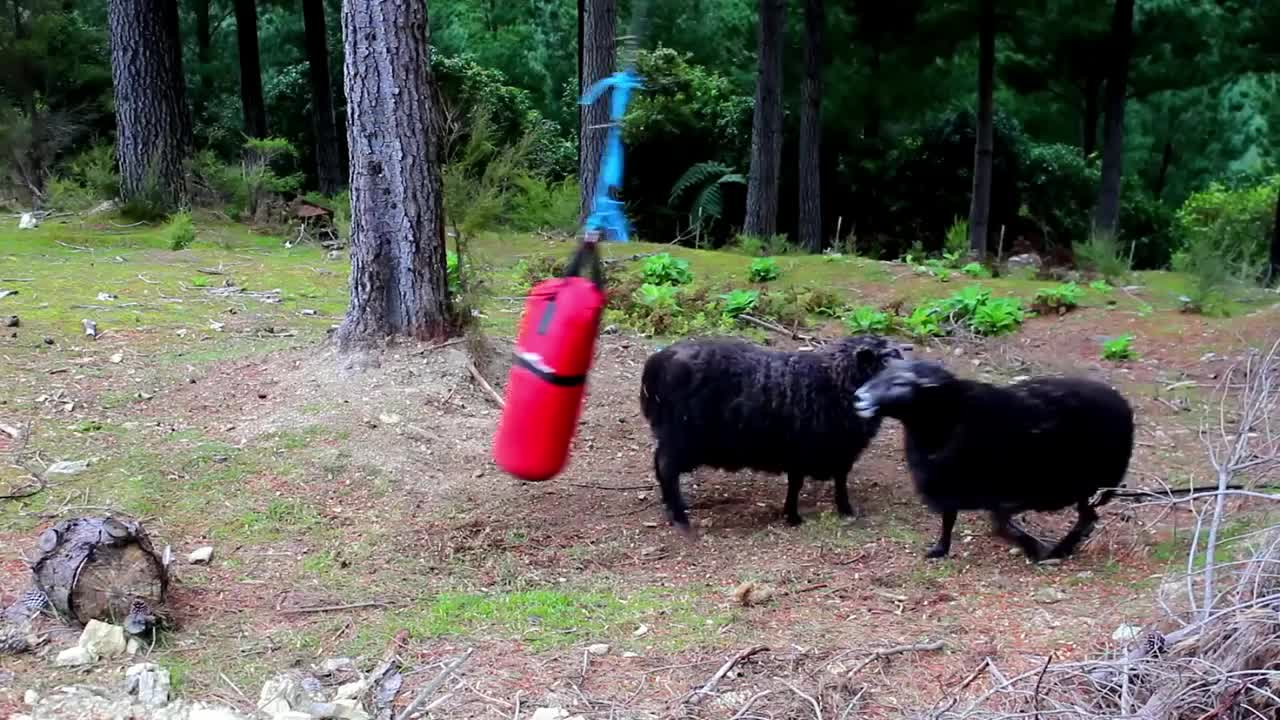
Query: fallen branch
[434,685]
[817,709]
[889,652]
[590,486]
[493,394]
[774,327]
[750,703]
[696,696]
[334,608]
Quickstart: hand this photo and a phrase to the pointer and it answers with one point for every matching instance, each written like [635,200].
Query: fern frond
[698,175]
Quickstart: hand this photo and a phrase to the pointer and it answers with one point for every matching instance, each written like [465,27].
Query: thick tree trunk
[1274,278]
[597,23]
[1107,213]
[811,129]
[329,166]
[871,125]
[255,109]
[153,127]
[1092,114]
[980,204]
[204,42]
[766,124]
[1166,161]
[34,166]
[398,272]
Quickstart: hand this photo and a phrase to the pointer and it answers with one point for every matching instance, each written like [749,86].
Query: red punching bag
[554,346]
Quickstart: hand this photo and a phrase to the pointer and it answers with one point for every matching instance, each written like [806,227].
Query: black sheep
[1038,445]
[730,404]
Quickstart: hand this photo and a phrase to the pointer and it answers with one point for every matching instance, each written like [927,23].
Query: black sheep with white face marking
[1040,445]
[732,405]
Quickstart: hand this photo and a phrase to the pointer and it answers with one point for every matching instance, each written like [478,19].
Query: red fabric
[558,334]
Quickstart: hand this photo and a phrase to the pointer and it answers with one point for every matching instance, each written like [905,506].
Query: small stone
[73,657]
[12,321]
[641,631]
[1050,595]
[132,646]
[598,649]
[201,556]
[1126,634]
[28,221]
[31,697]
[49,341]
[101,639]
[550,714]
[349,709]
[67,467]
[117,358]
[308,312]
[351,690]
[630,655]
[389,418]
[105,297]
[149,682]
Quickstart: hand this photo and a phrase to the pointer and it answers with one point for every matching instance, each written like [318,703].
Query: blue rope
[607,216]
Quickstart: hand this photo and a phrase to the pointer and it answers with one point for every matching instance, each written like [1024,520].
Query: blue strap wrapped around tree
[607,216]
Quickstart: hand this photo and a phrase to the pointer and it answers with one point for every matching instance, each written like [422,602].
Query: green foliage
[658,297]
[923,322]
[976,270]
[1119,349]
[997,316]
[1059,189]
[84,180]
[262,174]
[1101,286]
[542,204]
[823,302]
[664,269]
[1104,255]
[763,270]
[738,302]
[866,319]
[956,241]
[705,180]
[972,308]
[1235,223]
[453,272]
[1059,298]
[761,246]
[180,232]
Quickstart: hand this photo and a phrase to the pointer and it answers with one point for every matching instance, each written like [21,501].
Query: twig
[434,685]
[696,696]
[73,247]
[334,608]
[774,327]
[493,394]
[1036,699]
[443,345]
[148,281]
[210,271]
[887,652]
[590,486]
[817,709]
[750,703]
[17,279]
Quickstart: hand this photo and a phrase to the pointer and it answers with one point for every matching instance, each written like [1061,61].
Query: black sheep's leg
[943,546]
[668,473]
[795,482]
[843,506]
[1086,517]
[1007,529]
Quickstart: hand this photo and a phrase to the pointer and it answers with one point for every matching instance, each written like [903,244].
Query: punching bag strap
[587,252]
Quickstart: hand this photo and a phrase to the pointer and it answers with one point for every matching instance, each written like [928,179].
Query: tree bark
[597,32]
[254,107]
[398,270]
[330,173]
[1107,213]
[810,229]
[766,124]
[1092,114]
[980,204]
[204,42]
[1274,278]
[153,126]
[1166,161]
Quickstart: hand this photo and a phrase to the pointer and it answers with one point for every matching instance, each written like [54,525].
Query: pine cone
[13,640]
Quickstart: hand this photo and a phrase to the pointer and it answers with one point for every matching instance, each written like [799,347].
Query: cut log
[101,569]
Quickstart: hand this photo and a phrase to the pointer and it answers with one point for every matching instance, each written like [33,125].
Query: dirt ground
[353,511]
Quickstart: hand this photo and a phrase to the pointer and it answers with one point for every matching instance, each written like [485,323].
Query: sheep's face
[871,355]
[894,389]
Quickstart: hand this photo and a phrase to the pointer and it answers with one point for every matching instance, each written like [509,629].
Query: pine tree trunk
[1274,278]
[766,124]
[1092,114]
[204,42]
[398,271]
[153,126]
[1107,214]
[255,109]
[810,229]
[330,172]
[597,32]
[1166,162]
[980,204]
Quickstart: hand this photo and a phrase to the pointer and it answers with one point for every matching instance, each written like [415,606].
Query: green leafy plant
[956,241]
[824,302]
[962,305]
[763,270]
[1102,253]
[923,322]
[664,269]
[1059,298]
[200,281]
[976,270]
[1119,348]
[453,272]
[260,170]
[997,316]
[1101,286]
[706,181]
[865,319]
[658,297]
[180,232]
[739,302]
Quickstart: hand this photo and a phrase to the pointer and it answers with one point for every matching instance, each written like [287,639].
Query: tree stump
[101,569]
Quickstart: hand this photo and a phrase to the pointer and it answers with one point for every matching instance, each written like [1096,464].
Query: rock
[103,640]
[282,694]
[67,467]
[31,697]
[201,555]
[550,714]
[90,328]
[12,321]
[1050,595]
[598,649]
[117,358]
[1126,634]
[630,655]
[149,682]
[73,657]
[132,646]
[389,418]
[105,297]
[293,715]
[1025,260]
[641,631]
[349,709]
[28,222]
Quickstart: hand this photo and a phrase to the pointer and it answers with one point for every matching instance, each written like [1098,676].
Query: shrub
[763,270]
[956,241]
[866,319]
[1224,236]
[453,273]
[664,269]
[1060,298]
[1119,348]
[976,270]
[820,301]
[783,306]
[1103,254]
[997,316]
[84,180]
[180,232]
[761,246]
[1058,189]
[544,205]
[263,170]
[962,305]
[1146,228]
[706,180]
[739,302]
[923,322]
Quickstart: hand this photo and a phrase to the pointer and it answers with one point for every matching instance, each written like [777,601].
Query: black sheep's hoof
[937,551]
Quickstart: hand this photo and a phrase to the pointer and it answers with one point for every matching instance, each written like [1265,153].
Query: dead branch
[435,685]
[750,703]
[334,608]
[775,328]
[493,394]
[706,690]
[817,709]
[888,652]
